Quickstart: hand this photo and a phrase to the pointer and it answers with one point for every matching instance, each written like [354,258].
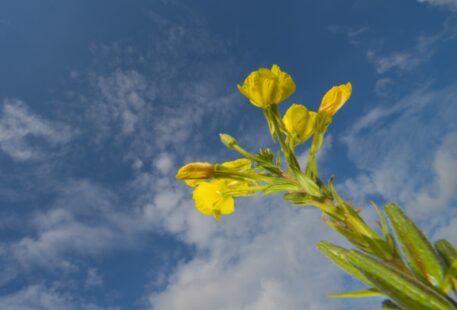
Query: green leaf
[385,230]
[405,290]
[390,305]
[449,254]
[382,218]
[339,256]
[351,236]
[281,186]
[358,294]
[266,155]
[308,185]
[446,250]
[278,159]
[419,252]
[298,199]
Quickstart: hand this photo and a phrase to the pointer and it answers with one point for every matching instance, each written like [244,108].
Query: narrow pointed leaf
[298,199]
[386,232]
[390,305]
[358,294]
[339,256]
[349,235]
[279,186]
[309,185]
[406,291]
[382,220]
[278,160]
[449,255]
[419,252]
[446,250]
[454,284]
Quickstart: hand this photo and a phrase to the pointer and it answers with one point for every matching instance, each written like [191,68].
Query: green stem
[322,122]
[290,157]
[311,168]
[265,164]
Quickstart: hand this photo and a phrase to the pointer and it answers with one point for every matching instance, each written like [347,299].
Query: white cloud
[39,296]
[402,61]
[382,86]
[353,34]
[145,113]
[123,96]
[22,132]
[451,4]
[85,220]
[164,163]
[34,297]
[93,278]
[405,152]
[444,187]
[261,258]
[423,50]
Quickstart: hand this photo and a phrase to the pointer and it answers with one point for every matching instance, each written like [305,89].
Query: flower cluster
[397,262]
[265,88]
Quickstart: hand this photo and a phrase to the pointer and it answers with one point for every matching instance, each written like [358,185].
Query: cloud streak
[424,49]
[384,145]
[25,135]
[451,4]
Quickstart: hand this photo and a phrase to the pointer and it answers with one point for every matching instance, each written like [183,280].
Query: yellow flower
[195,173]
[335,98]
[299,122]
[265,87]
[210,199]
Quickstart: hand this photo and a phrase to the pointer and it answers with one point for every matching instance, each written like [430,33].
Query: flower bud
[335,98]
[229,141]
[299,122]
[264,87]
[196,171]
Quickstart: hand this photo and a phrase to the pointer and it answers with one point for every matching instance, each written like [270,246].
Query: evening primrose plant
[396,261]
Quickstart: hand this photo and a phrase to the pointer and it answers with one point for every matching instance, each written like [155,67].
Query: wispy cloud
[423,50]
[142,116]
[451,4]
[385,144]
[40,296]
[352,34]
[253,261]
[25,135]
[93,278]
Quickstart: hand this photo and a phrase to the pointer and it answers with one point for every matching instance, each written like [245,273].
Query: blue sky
[102,101]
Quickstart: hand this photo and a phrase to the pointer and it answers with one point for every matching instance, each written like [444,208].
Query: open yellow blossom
[267,86]
[335,98]
[299,123]
[210,199]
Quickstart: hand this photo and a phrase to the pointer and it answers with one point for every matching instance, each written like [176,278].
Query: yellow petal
[335,98]
[299,122]
[209,199]
[227,206]
[193,182]
[264,87]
